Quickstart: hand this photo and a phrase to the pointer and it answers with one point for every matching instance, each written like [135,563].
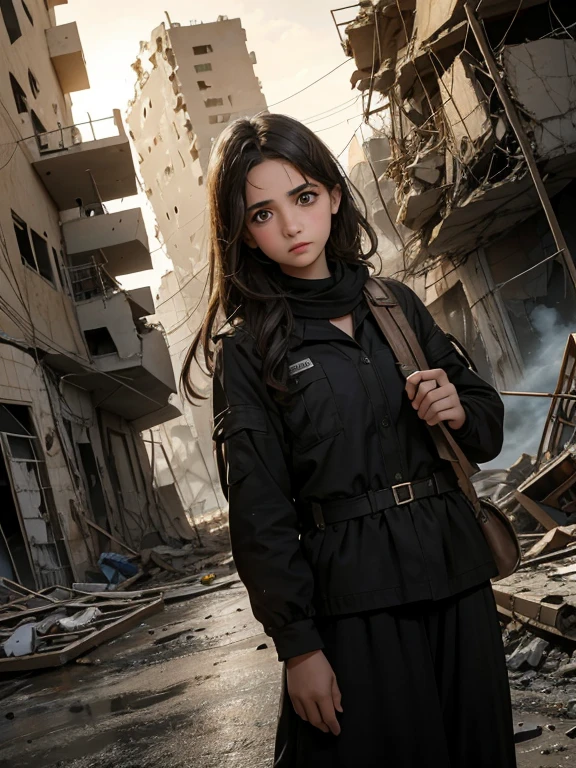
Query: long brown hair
[242,282]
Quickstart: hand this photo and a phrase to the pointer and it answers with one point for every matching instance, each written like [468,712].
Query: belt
[370,503]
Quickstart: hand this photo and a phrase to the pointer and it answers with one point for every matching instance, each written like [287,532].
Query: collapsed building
[191,82]
[82,370]
[462,101]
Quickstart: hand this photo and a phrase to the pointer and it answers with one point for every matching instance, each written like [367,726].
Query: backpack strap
[411,358]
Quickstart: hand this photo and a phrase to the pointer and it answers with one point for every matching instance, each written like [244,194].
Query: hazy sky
[295,42]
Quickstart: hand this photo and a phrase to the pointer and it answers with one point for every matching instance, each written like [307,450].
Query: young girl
[362,558]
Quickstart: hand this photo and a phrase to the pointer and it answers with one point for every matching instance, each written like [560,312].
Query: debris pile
[59,624]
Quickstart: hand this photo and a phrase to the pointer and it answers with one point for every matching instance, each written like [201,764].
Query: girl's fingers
[424,389]
[314,716]
[336,696]
[435,374]
[299,709]
[326,706]
[449,415]
[430,408]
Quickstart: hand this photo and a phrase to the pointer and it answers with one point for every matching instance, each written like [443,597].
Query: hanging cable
[346,61]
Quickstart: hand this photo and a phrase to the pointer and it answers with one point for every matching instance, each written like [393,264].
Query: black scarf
[329,297]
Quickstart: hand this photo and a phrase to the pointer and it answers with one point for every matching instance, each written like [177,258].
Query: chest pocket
[310,411]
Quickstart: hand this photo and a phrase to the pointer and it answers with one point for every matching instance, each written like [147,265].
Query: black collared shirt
[345,428]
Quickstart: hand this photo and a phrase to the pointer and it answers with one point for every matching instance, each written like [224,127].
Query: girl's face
[289,217]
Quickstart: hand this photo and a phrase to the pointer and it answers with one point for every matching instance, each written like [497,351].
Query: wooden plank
[59,657]
[12,584]
[108,535]
[535,510]
[123,586]
[552,498]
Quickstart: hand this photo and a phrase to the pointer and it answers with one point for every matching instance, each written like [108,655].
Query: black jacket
[346,427]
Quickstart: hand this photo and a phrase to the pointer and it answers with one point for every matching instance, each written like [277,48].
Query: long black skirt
[422,684]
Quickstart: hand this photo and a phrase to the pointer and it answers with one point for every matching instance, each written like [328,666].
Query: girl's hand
[314,691]
[435,398]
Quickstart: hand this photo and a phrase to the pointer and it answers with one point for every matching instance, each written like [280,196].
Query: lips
[298,246]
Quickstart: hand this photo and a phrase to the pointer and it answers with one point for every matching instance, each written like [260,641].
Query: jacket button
[366,360]
[398,476]
[385,422]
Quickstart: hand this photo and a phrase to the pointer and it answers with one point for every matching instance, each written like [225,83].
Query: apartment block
[82,370]
[191,82]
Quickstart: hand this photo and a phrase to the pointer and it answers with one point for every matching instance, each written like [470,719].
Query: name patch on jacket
[301,365]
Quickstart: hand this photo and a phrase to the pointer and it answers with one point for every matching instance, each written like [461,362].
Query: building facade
[82,372]
[191,82]
[447,179]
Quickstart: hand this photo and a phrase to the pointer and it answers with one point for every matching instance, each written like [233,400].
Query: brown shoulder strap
[410,356]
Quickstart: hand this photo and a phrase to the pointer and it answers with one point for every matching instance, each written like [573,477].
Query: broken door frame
[63,569]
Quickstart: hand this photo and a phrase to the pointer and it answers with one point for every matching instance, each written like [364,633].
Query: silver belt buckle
[398,501]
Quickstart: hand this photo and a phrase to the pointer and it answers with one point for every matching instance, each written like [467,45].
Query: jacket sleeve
[482,434]
[263,521]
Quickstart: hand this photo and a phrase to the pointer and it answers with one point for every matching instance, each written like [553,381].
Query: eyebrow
[291,193]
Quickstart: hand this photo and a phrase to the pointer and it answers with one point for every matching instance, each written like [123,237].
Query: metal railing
[65,137]
[91,280]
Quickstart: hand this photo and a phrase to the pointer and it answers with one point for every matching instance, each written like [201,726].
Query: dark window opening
[59,269]
[203,67]
[19,95]
[203,85]
[21,230]
[100,342]
[37,123]
[213,102]
[224,118]
[10,20]
[34,87]
[27,12]
[42,256]
[201,49]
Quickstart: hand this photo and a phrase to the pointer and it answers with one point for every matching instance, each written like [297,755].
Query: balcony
[135,377]
[65,49]
[121,237]
[72,168]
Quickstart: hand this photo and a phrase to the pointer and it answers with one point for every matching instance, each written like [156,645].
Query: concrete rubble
[447,184]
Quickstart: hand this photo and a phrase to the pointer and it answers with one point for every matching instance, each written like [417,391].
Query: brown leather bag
[494,523]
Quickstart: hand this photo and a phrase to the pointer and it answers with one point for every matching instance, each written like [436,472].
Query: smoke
[525,416]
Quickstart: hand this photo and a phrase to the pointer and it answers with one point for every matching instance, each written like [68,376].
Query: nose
[291,225]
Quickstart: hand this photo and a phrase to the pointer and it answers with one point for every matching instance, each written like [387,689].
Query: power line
[319,130]
[310,119]
[348,142]
[346,61]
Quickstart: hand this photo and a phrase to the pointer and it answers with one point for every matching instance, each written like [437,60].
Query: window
[213,102]
[34,87]
[10,20]
[37,123]
[203,67]
[201,49]
[42,256]
[100,342]
[19,95]
[203,85]
[27,12]
[213,119]
[23,238]
[39,130]
[58,268]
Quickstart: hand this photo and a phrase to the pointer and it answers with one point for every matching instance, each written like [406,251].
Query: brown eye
[257,216]
[307,197]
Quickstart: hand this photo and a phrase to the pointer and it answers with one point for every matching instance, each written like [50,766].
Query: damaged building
[82,371]
[191,82]
[468,149]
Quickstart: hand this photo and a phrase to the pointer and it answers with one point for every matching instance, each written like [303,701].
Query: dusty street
[189,687]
